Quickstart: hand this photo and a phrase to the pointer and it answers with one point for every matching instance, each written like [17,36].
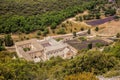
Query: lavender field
[84,44]
[100,21]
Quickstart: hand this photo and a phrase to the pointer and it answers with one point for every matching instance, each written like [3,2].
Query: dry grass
[110,29]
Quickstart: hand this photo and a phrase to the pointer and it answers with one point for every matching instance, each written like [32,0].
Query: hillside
[27,16]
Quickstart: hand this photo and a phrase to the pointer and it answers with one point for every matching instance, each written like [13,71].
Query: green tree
[110,12]
[8,40]
[74,34]
[53,25]
[61,31]
[1,41]
[39,33]
[99,45]
[118,35]
[82,29]
[45,32]
[2,48]
[89,31]
[96,29]
[90,46]
[1,44]
[98,16]
[80,18]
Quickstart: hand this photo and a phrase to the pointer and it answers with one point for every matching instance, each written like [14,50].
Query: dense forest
[30,15]
[85,66]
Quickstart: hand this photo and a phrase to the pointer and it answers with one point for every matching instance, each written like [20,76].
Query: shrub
[82,38]
[82,29]
[99,45]
[74,34]
[8,41]
[90,46]
[53,26]
[61,31]
[39,33]
[96,29]
[118,35]
[89,31]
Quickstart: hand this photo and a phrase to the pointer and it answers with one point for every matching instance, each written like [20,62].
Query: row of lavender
[100,21]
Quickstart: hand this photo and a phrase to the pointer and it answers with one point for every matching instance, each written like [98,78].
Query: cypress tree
[74,34]
[90,46]
[89,31]
[96,29]
[8,40]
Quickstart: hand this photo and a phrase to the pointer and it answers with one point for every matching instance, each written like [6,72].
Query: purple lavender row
[100,21]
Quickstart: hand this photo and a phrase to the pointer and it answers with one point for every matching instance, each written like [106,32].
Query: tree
[110,12]
[118,35]
[90,46]
[82,38]
[53,25]
[77,18]
[99,45]
[8,40]
[85,17]
[116,18]
[82,29]
[39,33]
[96,29]
[98,16]
[89,31]
[116,49]
[80,18]
[1,42]
[74,34]
[32,18]
[2,48]
[45,32]
[61,31]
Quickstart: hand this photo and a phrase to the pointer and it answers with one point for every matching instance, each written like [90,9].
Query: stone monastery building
[41,50]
